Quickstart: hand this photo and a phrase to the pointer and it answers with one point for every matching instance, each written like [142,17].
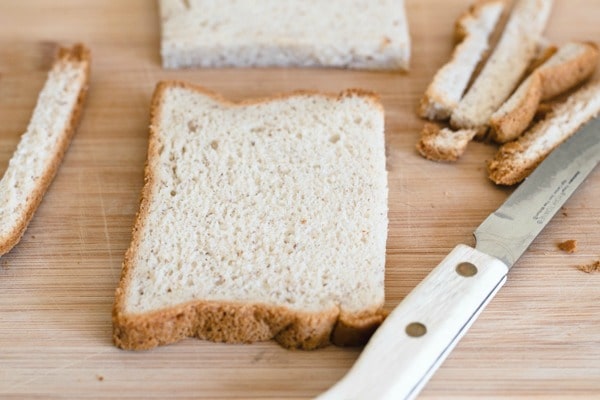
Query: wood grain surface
[539,337]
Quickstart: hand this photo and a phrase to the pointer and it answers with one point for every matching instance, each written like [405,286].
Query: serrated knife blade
[508,231]
[424,328]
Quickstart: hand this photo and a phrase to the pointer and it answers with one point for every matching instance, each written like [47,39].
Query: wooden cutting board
[540,336]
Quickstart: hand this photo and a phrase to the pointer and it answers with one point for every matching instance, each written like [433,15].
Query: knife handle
[423,329]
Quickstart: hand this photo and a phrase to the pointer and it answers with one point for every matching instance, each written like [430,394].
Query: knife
[423,329]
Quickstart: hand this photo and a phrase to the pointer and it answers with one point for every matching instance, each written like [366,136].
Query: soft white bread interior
[473,30]
[515,160]
[505,67]
[570,65]
[41,148]
[242,33]
[258,220]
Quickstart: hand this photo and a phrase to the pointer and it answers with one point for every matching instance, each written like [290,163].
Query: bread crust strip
[31,168]
[569,66]
[443,144]
[473,31]
[515,160]
[505,67]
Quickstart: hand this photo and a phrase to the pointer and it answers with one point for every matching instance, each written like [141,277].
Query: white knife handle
[420,332]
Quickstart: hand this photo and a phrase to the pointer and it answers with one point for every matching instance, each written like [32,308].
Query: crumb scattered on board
[570,246]
[589,268]
[100,378]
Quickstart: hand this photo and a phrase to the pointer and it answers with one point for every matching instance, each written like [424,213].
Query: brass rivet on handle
[466,269]
[416,329]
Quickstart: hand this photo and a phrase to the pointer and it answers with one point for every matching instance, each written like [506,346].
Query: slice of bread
[515,160]
[300,33]
[505,67]
[569,66]
[258,220]
[473,30]
[443,144]
[41,148]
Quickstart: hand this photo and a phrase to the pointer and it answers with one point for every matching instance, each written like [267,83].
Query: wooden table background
[540,336]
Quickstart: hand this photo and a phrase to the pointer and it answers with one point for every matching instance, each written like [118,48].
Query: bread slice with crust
[258,220]
[569,66]
[473,30]
[299,33]
[505,67]
[41,148]
[515,160]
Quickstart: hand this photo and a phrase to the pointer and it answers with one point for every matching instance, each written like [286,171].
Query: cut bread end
[443,144]
[285,237]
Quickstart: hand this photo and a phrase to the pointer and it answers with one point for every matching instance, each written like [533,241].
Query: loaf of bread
[473,31]
[505,67]
[242,33]
[570,65]
[41,148]
[516,160]
[258,220]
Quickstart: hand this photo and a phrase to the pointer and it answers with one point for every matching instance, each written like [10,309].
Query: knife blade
[422,330]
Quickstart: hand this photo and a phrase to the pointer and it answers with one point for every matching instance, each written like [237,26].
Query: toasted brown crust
[229,321]
[502,170]
[562,77]
[76,54]
[509,126]
[460,31]
[515,160]
[570,246]
[544,82]
[544,55]
[373,97]
[439,144]
[589,268]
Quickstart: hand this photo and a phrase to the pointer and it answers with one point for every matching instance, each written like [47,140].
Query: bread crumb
[570,246]
[100,378]
[589,268]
